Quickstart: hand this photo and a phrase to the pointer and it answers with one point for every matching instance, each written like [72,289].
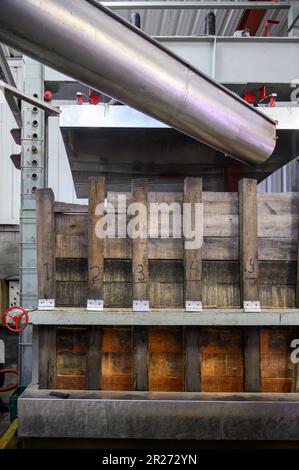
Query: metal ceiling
[191,22]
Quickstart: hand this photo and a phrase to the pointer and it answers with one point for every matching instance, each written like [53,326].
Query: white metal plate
[252,306]
[95,305]
[193,306]
[141,306]
[46,304]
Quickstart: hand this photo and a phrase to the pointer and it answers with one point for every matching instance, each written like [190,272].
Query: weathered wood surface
[193,257]
[47,357]
[276,367]
[95,241]
[249,277]
[140,244]
[176,358]
[192,360]
[45,239]
[94,358]
[221,360]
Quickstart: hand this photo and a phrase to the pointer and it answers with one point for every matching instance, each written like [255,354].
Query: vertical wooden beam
[95,299]
[192,293]
[140,358]
[249,279]
[248,240]
[192,359]
[193,257]
[94,358]
[95,244]
[47,357]
[140,290]
[45,238]
[140,245]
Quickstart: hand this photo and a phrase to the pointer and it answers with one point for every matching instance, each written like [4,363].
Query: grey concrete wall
[9,250]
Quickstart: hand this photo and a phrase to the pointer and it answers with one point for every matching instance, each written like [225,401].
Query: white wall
[9,175]
[59,173]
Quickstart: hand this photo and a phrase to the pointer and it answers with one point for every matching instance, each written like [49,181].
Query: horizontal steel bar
[229,317]
[195,5]
[50,110]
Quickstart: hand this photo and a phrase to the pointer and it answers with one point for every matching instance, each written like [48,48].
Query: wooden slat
[65,207]
[93,359]
[140,270]
[193,257]
[95,243]
[140,245]
[249,270]
[276,367]
[140,357]
[47,357]
[248,239]
[192,359]
[71,358]
[45,238]
[221,360]
[252,369]
[166,359]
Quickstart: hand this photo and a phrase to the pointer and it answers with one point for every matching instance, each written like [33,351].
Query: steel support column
[32,177]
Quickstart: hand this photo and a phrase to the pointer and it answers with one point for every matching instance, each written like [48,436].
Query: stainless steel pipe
[88,42]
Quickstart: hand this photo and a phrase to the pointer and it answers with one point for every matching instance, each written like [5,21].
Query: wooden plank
[71,269]
[248,240]
[277,369]
[71,294]
[214,248]
[47,357]
[45,238]
[279,249]
[140,244]
[93,359]
[66,207]
[71,225]
[249,270]
[71,358]
[277,203]
[193,257]
[71,246]
[277,296]
[140,358]
[95,243]
[278,226]
[252,367]
[277,272]
[166,359]
[117,358]
[192,359]
[221,360]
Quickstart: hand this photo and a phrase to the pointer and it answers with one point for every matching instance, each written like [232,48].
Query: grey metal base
[146,415]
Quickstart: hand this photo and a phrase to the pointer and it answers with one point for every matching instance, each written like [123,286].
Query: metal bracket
[46,304]
[193,306]
[251,306]
[11,90]
[141,306]
[95,305]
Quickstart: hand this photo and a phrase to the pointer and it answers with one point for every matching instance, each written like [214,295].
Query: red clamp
[16,328]
[9,387]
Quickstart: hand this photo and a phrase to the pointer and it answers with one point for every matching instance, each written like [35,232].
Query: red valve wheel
[16,319]
[8,388]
